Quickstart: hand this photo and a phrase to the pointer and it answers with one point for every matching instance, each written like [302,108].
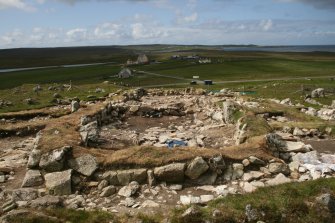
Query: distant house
[130,62]
[205,61]
[142,59]
[125,73]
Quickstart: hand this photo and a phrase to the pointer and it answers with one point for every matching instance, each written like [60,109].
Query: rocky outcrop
[170,173]
[85,165]
[197,167]
[59,183]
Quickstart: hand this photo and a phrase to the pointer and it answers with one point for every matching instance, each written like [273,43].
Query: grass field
[227,66]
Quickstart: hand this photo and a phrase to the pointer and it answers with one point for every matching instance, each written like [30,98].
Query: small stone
[279,179]
[328,200]
[108,191]
[176,187]
[206,198]
[246,162]
[191,214]
[85,164]
[102,184]
[150,204]
[278,168]
[151,178]
[130,190]
[256,161]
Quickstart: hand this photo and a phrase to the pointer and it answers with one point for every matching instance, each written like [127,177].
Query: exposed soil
[323,146]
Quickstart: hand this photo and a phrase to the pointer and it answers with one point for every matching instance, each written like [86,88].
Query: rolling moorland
[267,93]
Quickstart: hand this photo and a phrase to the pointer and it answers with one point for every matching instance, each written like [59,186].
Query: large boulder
[54,160]
[126,176]
[196,168]
[59,183]
[85,164]
[170,173]
[32,178]
[111,177]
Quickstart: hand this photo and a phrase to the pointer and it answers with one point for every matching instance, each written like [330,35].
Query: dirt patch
[322,146]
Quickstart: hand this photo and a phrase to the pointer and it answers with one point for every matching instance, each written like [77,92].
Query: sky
[54,23]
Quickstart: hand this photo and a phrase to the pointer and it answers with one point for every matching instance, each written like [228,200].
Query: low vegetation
[294,202]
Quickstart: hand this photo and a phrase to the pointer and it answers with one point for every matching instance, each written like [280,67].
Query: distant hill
[34,57]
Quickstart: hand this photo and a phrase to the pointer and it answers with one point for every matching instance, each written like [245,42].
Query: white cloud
[266,25]
[17,4]
[182,20]
[107,30]
[140,31]
[77,34]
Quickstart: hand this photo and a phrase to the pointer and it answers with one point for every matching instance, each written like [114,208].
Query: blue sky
[51,23]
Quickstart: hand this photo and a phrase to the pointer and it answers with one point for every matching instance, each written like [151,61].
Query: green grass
[242,69]
[45,97]
[78,75]
[285,203]
[241,66]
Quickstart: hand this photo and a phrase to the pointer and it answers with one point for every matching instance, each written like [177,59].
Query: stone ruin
[57,178]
